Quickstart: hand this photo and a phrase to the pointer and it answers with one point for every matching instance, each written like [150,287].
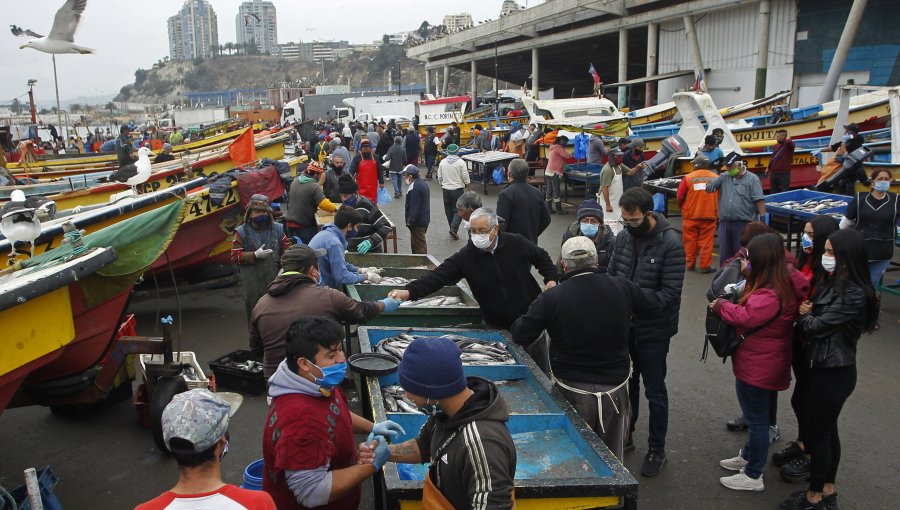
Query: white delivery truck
[375,108]
[191,118]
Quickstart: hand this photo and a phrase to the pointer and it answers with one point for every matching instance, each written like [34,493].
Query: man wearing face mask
[256,248]
[633,158]
[372,232]
[522,205]
[649,253]
[741,201]
[309,452]
[470,450]
[336,271]
[590,224]
[305,197]
[334,172]
[417,209]
[367,171]
[494,265]
[195,428]
[297,293]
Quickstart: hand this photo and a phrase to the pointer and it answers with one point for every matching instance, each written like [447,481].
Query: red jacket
[764,358]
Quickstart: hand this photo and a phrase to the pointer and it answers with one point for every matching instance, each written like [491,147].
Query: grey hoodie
[285,382]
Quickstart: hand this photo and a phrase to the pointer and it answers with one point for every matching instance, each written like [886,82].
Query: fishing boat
[97,363]
[38,316]
[561,463]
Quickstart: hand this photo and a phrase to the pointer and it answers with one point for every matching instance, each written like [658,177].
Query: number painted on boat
[204,206]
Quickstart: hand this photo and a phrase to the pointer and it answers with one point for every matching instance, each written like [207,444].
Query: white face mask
[481,241]
[828,263]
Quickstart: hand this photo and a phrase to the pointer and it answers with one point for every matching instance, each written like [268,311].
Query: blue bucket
[253,476]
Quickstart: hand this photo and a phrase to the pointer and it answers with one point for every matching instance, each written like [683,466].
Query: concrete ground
[109,461]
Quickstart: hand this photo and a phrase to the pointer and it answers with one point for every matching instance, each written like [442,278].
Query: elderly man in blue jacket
[418,209]
[335,270]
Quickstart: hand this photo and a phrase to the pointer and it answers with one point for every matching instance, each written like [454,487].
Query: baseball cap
[578,247]
[701,161]
[300,255]
[852,127]
[198,417]
[624,140]
[411,170]
[732,158]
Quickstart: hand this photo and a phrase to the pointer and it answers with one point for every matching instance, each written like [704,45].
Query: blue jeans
[397,182]
[877,269]
[429,163]
[755,406]
[729,239]
[649,360]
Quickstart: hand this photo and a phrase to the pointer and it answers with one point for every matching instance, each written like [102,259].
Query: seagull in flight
[62,35]
[22,32]
[247,16]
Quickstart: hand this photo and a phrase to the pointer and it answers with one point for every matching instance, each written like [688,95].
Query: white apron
[611,219]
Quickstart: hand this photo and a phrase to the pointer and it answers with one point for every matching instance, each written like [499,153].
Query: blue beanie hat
[431,367]
[590,207]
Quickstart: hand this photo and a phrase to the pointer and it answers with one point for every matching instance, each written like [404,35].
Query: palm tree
[229,46]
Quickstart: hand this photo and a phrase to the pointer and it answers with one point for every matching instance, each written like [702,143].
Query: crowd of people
[800,313]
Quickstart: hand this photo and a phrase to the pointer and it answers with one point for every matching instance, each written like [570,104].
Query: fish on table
[473,351]
[810,206]
[398,281]
[396,401]
[434,302]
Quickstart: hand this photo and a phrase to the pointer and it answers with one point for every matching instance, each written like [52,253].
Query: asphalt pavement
[108,461]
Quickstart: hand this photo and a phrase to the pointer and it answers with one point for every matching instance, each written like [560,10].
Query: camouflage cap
[199,417]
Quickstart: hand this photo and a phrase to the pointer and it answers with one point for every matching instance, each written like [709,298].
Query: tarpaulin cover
[264,181]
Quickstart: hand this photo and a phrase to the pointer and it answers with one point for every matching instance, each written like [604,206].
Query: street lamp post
[399,79]
[31,84]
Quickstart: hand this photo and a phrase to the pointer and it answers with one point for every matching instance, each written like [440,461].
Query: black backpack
[723,336]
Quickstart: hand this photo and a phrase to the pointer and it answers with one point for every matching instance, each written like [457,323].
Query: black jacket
[375,226]
[604,242]
[834,327]
[571,312]
[418,206]
[412,145]
[524,209]
[654,262]
[480,466]
[501,281]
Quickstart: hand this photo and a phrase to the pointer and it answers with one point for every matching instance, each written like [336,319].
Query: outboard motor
[850,170]
[672,147]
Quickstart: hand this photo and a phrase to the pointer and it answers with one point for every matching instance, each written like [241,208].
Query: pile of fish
[810,206]
[398,281]
[474,351]
[434,302]
[666,182]
[395,400]
[247,366]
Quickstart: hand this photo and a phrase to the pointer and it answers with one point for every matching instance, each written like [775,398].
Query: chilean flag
[700,83]
[593,73]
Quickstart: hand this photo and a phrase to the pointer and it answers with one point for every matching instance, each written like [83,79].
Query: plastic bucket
[253,476]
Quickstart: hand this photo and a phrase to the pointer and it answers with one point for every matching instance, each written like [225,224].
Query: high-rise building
[193,32]
[256,21]
[509,7]
[459,21]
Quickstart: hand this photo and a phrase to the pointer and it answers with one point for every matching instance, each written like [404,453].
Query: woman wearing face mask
[589,223]
[875,215]
[832,322]
[256,249]
[768,305]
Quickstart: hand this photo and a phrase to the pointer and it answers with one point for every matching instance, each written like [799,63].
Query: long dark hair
[822,227]
[851,268]
[768,269]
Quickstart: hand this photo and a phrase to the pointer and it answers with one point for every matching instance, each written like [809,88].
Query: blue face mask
[589,229]
[806,243]
[882,186]
[350,201]
[351,233]
[331,376]
[261,221]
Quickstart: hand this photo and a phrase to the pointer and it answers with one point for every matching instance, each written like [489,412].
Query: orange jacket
[695,202]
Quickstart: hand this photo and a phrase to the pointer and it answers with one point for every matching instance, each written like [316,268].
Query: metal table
[793,219]
[479,161]
[655,187]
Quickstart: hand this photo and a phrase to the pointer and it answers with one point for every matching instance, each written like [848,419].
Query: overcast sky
[129,34]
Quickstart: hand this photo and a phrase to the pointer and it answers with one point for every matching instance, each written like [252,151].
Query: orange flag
[243,149]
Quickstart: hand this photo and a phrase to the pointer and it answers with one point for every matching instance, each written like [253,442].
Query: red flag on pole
[594,75]
[243,149]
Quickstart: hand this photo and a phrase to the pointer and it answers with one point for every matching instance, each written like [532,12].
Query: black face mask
[338,169]
[639,230]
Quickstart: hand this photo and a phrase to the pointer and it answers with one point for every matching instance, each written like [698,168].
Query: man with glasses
[649,253]
[493,264]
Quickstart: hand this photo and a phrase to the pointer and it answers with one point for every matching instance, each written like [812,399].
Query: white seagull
[62,35]
[18,222]
[135,173]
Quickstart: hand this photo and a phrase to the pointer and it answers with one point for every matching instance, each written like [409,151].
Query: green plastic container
[468,316]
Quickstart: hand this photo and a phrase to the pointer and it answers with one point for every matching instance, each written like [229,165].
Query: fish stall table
[668,186]
[561,462]
[386,260]
[448,307]
[479,161]
[584,173]
[324,218]
[792,209]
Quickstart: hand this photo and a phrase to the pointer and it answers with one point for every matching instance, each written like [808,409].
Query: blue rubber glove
[364,247]
[297,240]
[382,451]
[391,305]
[387,428]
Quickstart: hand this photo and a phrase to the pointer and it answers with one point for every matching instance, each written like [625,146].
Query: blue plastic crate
[799,195]
[584,167]
[47,481]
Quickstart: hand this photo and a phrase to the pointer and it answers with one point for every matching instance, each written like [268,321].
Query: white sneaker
[734,464]
[742,482]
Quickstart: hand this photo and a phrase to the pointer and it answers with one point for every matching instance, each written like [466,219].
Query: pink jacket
[556,160]
[764,358]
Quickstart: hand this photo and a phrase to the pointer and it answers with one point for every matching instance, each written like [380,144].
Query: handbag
[723,336]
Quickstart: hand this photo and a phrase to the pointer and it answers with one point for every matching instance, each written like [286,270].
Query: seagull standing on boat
[62,35]
[135,173]
[18,222]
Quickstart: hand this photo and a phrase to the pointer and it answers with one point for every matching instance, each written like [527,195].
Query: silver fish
[473,350]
